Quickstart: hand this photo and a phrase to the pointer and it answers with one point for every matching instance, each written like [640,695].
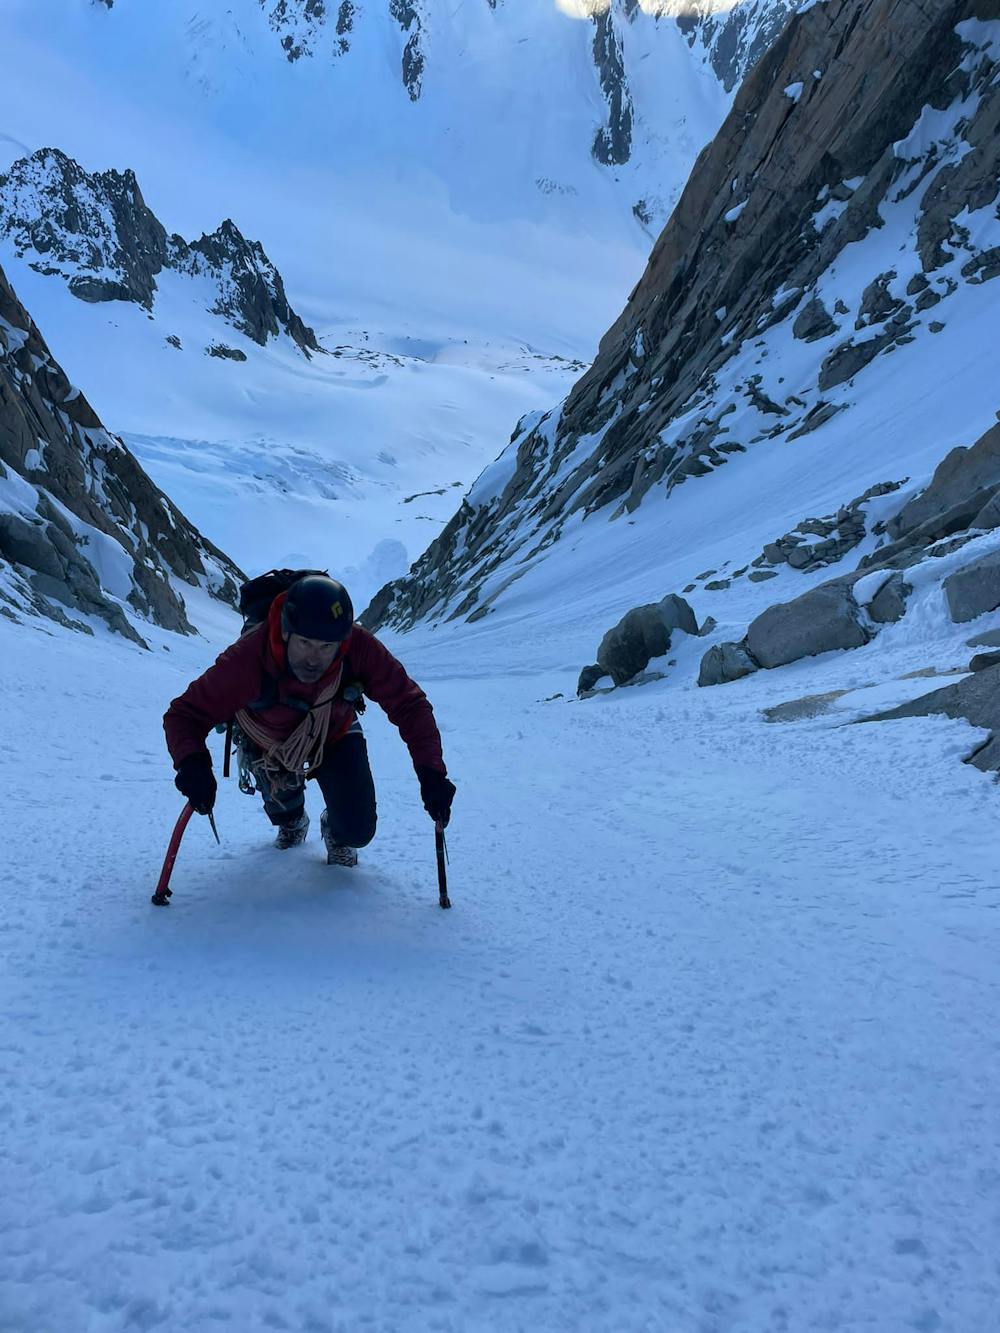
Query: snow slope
[707,1042]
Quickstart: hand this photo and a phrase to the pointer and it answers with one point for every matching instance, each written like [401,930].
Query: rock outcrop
[96,232]
[974,589]
[954,512]
[976,699]
[83,530]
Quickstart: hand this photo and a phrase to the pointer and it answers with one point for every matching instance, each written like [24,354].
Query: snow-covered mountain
[84,534]
[434,245]
[95,231]
[511,106]
[732,33]
[816,330]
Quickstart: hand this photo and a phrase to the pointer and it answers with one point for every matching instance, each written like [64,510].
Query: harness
[285,762]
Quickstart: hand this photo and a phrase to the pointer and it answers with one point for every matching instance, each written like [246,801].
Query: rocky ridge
[95,231]
[729,36]
[952,522]
[83,530]
[732,37]
[855,114]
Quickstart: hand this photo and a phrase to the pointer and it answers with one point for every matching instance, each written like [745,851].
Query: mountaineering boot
[291,835]
[336,853]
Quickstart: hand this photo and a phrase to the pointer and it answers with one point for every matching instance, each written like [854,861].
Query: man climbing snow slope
[293,685]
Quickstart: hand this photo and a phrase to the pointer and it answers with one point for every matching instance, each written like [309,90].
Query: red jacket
[254,667]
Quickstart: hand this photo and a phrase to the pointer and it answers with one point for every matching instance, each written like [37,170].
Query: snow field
[707,1042]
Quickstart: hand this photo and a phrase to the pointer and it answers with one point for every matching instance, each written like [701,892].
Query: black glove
[196,781]
[437,793]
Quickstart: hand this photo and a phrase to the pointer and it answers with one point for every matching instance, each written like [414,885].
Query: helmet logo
[336,610]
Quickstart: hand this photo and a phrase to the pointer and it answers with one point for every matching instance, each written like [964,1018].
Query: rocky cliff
[84,533]
[849,197]
[94,230]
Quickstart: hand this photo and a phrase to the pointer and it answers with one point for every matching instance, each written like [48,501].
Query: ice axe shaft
[161,898]
[228,752]
[442,856]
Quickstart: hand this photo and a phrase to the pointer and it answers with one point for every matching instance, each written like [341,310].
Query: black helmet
[317,608]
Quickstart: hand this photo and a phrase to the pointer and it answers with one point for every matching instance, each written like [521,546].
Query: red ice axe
[161,898]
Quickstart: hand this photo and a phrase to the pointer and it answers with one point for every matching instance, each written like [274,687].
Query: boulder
[821,620]
[975,589]
[814,321]
[641,634]
[988,639]
[726,662]
[889,603]
[983,660]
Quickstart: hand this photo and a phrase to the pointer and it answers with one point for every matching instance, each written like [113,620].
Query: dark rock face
[96,232]
[814,322]
[345,25]
[821,134]
[82,528]
[299,23]
[407,14]
[613,142]
[225,353]
[847,360]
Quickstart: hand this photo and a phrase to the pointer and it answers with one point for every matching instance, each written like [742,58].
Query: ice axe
[442,857]
[162,896]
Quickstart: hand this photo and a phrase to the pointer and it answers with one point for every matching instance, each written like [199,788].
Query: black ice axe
[442,857]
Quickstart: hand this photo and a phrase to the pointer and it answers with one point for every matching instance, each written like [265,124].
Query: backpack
[256,595]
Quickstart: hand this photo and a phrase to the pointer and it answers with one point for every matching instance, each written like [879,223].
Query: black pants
[345,779]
